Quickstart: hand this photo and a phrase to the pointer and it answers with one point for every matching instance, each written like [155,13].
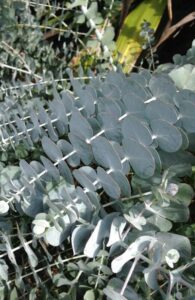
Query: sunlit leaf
[132,251]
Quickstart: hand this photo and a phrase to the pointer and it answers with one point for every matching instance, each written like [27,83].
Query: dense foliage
[96,170]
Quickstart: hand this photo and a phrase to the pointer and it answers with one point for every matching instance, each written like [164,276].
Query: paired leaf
[133,128]
[168,136]
[140,157]
[105,154]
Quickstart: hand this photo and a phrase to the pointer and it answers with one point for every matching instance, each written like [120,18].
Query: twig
[170,30]
[129,275]
[32,3]
[51,265]
[18,55]
[2,65]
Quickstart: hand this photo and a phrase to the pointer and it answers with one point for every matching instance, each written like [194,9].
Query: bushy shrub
[96,179]
[106,189]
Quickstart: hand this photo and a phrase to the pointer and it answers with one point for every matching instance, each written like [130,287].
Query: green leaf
[116,230]
[101,231]
[136,220]
[65,172]
[51,169]
[54,237]
[13,294]
[66,148]
[60,280]
[93,44]
[3,270]
[174,212]
[175,241]
[150,277]
[108,36]
[184,195]
[184,76]
[134,103]
[89,295]
[32,258]
[112,294]
[116,284]
[163,224]
[187,115]
[87,97]
[77,3]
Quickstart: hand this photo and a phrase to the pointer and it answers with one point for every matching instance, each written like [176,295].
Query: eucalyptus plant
[96,170]
[104,181]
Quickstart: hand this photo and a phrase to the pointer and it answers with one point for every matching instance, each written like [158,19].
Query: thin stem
[51,28]
[99,34]
[2,65]
[151,52]
[51,265]
[128,198]
[16,248]
[129,275]
[16,53]
[32,3]
[43,82]
[99,271]
[187,284]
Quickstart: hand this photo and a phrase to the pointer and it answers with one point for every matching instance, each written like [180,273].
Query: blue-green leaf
[168,136]
[132,251]
[79,237]
[110,186]
[105,154]
[160,110]
[50,148]
[133,128]
[83,149]
[83,180]
[140,157]
[80,126]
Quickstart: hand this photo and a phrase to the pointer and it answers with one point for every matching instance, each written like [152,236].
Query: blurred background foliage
[40,38]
